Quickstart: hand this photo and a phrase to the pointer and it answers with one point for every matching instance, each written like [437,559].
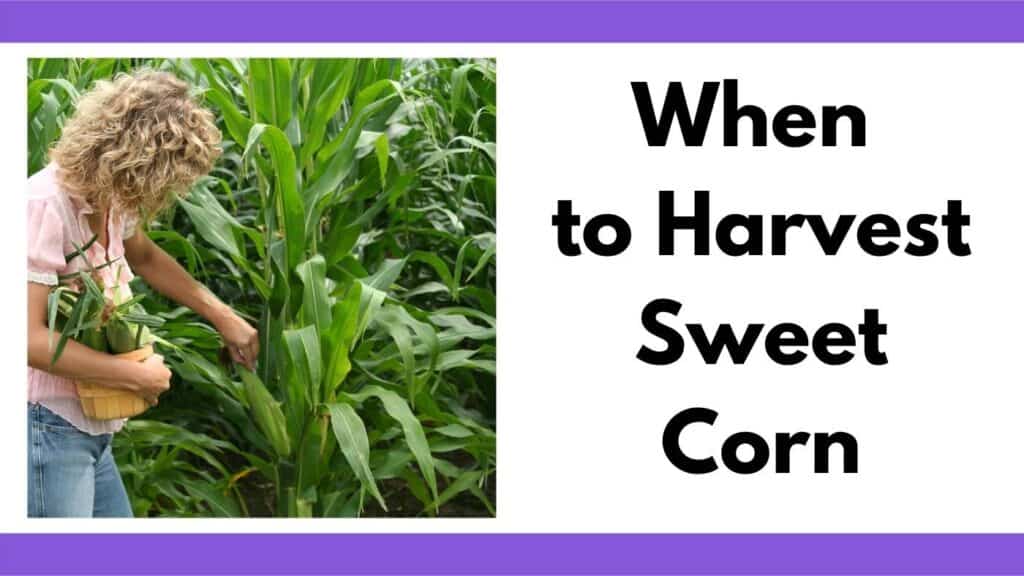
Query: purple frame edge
[514,21]
[512,554]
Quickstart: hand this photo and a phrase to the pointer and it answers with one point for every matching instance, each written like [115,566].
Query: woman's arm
[79,362]
[170,279]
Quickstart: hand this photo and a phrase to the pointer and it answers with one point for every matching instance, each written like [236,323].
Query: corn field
[351,219]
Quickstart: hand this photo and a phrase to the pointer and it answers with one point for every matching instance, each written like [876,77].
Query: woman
[133,144]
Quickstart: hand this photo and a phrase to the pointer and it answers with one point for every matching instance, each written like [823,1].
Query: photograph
[261,287]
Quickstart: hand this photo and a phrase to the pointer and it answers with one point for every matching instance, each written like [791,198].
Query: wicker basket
[103,403]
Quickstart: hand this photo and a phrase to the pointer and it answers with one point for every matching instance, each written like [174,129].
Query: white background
[580,419]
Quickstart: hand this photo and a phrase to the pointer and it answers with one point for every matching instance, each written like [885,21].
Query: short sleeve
[45,242]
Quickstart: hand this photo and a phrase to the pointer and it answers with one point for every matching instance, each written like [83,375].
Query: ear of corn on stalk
[267,413]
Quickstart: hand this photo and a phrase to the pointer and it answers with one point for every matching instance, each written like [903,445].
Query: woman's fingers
[244,356]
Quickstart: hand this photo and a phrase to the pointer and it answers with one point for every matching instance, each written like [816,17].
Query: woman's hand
[241,339]
[152,378]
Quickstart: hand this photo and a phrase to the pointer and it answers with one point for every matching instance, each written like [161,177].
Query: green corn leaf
[289,201]
[339,242]
[454,431]
[391,463]
[213,223]
[221,95]
[220,505]
[205,67]
[53,300]
[339,338]
[485,258]
[425,333]
[280,293]
[381,90]
[310,460]
[303,349]
[467,481]
[399,333]
[398,409]
[370,302]
[383,151]
[439,266]
[74,319]
[460,260]
[459,87]
[457,325]
[350,433]
[283,90]
[79,251]
[487,148]
[237,124]
[331,82]
[387,274]
[397,322]
[338,156]
[463,359]
[272,90]
[475,490]
[179,247]
[36,87]
[426,288]
[50,117]
[316,308]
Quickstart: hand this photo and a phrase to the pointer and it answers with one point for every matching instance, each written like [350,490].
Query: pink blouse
[56,223]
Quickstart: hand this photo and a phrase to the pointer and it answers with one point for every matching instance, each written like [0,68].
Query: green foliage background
[352,219]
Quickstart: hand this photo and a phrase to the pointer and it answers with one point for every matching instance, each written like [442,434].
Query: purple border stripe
[512,21]
[512,554]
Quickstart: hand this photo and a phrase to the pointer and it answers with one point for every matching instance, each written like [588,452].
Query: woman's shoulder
[47,202]
[43,186]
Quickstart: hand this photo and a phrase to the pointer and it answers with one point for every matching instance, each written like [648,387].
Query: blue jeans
[71,473]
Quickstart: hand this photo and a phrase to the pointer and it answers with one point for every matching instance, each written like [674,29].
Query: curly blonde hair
[136,142]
